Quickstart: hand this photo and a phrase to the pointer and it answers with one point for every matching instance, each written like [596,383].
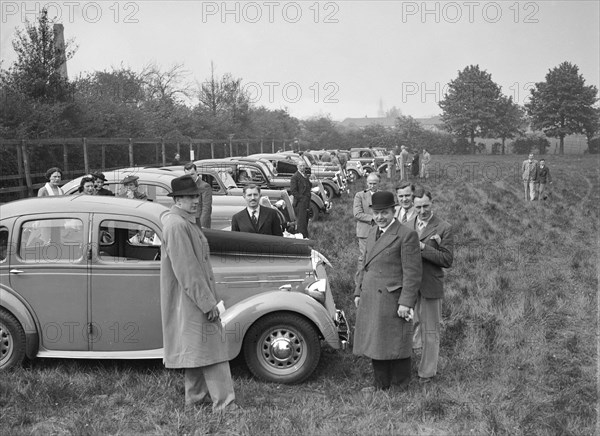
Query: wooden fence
[25,161]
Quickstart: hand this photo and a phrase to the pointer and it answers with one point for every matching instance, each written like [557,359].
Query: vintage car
[354,168]
[156,184]
[371,159]
[287,164]
[245,171]
[79,278]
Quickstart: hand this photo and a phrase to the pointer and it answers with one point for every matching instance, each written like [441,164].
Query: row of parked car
[79,275]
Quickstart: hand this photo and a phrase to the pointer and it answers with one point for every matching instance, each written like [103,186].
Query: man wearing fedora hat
[99,179]
[387,284]
[193,337]
[130,183]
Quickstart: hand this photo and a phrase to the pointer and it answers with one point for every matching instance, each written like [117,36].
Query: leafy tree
[408,131]
[320,132]
[37,70]
[509,120]
[166,85]
[530,143]
[470,104]
[563,104]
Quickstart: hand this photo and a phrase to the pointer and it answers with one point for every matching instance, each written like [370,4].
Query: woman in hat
[54,176]
[130,183]
[99,179]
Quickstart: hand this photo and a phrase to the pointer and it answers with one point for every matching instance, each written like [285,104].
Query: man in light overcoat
[436,242]
[361,209]
[193,336]
[386,289]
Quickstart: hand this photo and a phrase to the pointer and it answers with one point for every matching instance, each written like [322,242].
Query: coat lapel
[262,216]
[375,247]
[429,229]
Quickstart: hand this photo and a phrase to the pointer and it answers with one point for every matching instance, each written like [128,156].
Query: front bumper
[343,328]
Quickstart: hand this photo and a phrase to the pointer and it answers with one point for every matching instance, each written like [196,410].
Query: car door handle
[16,271]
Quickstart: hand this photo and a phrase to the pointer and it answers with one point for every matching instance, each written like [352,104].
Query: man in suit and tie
[405,212]
[363,214]
[204,210]
[436,242]
[404,157]
[386,289]
[256,218]
[300,188]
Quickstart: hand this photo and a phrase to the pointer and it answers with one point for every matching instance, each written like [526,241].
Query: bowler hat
[382,200]
[129,179]
[184,185]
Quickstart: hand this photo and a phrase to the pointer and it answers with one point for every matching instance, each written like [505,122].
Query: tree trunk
[472,142]
[562,145]
[503,141]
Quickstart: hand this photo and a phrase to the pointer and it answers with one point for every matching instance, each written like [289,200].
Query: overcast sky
[339,58]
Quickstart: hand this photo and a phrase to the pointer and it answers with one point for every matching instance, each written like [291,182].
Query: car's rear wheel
[282,348]
[12,341]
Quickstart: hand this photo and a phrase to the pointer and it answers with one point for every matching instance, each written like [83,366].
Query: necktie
[421,225]
[254,220]
[378,234]
[404,216]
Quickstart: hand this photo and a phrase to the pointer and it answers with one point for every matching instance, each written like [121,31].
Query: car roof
[82,203]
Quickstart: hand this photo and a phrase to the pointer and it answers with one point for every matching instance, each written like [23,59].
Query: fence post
[130,152]
[103,157]
[247,149]
[65,159]
[273,145]
[86,163]
[27,169]
[212,150]
[22,193]
[164,156]
[156,152]
[261,146]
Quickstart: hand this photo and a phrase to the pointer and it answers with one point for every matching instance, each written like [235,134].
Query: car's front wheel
[314,211]
[12,340]
[282,348]
[330,191]
[353,176]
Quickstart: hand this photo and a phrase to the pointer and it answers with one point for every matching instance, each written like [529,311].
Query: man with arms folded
[529,169]
[300,188]
[205,206]
[363,213]
[193,336]
[405,212]
[437,247]
[386,289]
[256,218]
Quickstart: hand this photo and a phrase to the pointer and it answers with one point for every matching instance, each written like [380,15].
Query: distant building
[432,124]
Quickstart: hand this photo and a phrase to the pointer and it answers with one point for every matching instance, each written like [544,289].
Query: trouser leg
[541,190]
[219,384]
[381,374]
[526,188]
[417,341]
[195,386]
[429,316]
[532,189]
[400,372]
[362,247]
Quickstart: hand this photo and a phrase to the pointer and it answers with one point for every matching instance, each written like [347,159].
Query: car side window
[3,243]
[125,241]
[52,240]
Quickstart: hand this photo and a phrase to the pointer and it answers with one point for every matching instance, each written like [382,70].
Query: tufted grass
[519,334]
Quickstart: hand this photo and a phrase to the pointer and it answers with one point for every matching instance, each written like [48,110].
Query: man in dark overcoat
[300,188]
[387,284]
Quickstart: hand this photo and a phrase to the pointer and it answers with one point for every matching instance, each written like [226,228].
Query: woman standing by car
[54,176]
[86,186]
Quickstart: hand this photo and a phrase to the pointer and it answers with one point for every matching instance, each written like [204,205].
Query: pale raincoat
[187,293]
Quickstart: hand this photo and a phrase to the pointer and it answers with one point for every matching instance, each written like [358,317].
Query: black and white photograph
[299,217]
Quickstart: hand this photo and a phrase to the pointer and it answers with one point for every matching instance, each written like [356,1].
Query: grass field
[519,334]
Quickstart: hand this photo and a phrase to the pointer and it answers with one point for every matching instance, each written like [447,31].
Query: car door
[49,269]
[125,284]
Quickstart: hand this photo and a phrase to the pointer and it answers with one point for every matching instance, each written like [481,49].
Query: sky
[333,58]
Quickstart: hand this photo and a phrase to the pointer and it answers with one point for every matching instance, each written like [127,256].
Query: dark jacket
[544,175]
[300,188]
[268,222]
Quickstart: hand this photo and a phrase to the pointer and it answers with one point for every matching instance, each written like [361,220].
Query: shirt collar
[419,220]
[182,213]
[383,230]
[257,210]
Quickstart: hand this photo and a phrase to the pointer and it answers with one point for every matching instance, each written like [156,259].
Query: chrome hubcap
[6,344]
[281,349]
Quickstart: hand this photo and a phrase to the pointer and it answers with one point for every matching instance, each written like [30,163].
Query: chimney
[59,44]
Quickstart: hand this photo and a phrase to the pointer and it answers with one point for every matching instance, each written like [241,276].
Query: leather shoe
[425,379]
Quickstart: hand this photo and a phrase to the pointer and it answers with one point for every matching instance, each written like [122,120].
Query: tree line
[41,102]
